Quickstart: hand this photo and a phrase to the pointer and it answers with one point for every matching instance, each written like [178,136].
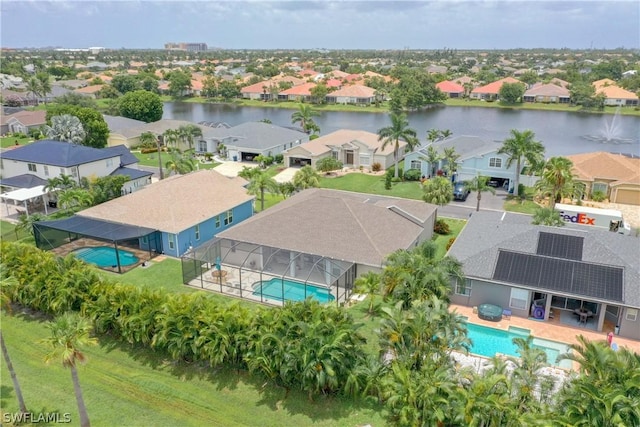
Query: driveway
[494,202]
[231,169]
[286,175]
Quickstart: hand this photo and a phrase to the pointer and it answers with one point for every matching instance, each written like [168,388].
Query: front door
[348,157]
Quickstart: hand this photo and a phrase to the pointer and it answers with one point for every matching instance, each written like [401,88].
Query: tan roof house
[615,175]
[90,91]
[490,91]
[354,148]
[22,121]
[617,96]
[547,93]
[300,92]
[354,94]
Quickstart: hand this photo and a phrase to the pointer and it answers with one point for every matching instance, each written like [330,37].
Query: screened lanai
[110,246]
[266,274]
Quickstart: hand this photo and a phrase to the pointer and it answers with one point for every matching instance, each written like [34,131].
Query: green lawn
[10,141]
[151,159]
[372,184]
[9,233]
[132,386]
[166,274]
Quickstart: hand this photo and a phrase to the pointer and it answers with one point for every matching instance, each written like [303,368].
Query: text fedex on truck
[609,219]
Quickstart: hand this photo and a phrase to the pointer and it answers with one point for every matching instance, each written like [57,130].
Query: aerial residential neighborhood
[344,232]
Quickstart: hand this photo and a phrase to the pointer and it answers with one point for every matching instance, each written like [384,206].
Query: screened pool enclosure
[265,274]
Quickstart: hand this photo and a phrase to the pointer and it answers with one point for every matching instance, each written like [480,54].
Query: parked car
[460,192]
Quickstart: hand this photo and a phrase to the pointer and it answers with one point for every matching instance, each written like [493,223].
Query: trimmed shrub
[412,175]
[441,227]
[278,158]
[598,196]
[387,181]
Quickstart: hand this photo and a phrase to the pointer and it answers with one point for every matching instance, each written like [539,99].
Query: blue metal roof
[23,181]
[58,153]
[131,173]
[126,158]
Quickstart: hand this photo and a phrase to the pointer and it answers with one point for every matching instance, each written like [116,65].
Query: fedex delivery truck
[594,217]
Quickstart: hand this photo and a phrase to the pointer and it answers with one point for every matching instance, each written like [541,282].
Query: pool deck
[551,330]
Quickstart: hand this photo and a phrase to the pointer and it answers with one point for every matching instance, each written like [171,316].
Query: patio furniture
[506,313]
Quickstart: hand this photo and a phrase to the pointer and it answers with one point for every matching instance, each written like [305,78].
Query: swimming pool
[105,256]
[487,342]
[288,290]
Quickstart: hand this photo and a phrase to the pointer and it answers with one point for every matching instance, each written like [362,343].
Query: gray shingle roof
[486,232]
[131,173]
[23,181]
[258,135]
[57,153]
[466,146]
[126,157]
[354,227]
[118,123]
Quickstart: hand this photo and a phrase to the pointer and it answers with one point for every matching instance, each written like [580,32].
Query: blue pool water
[487,342]
[288,290]
[105,256]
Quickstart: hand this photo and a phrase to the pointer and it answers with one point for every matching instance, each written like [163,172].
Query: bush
[387,181]
[441,227]
[412,175]
[598,196]
[278,158]
[376,167]
[148,150]
[522,191]
[450,242]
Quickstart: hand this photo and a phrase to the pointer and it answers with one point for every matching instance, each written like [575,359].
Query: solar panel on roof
[560,245]
[561,275]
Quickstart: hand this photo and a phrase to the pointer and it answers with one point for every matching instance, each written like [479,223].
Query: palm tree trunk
[262,200]
[82,409]
[516,183]
[12,372]
[478,205]
[395,157]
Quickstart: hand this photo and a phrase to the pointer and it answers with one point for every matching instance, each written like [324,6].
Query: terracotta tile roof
[256,87]
[354,78]
[608,166]
[548,90]
[495,86]
[333,83]
[173,204]
[616,92]
[301,90]
[356,91]
[604,82]
[308,73]
[449,87]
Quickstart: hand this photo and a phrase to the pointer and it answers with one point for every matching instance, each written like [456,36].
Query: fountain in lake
[611,133]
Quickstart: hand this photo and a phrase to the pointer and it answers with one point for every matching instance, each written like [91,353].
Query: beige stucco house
[354,148]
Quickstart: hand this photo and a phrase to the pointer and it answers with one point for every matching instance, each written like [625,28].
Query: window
[334,154]
[416,164]
[172,241]
[365,160]
[495,162]
[32,167]
[463,287]
[46,170]
[229,218]
[197,230]
[218,221]
[632,314]
[62,171]
[74,172]
[519,298]
[599,186]
[109,163]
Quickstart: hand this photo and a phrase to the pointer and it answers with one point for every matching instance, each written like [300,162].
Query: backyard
[372,184]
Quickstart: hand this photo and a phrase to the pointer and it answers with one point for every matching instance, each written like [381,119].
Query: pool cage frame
[238,268]
[65,236]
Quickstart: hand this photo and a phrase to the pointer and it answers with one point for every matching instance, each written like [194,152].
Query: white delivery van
[609,219]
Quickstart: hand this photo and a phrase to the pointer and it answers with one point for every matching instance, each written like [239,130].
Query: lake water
[562,133]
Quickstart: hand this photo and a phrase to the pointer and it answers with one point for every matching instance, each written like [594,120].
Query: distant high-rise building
[191,47]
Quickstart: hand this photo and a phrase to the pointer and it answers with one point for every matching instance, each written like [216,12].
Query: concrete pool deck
[551,330]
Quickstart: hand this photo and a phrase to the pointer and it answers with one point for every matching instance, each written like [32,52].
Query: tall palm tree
[33,87]
[66,128]
[451,157]
[368,284]
[521,146]
[44,84]
[438,190]
[557,180]
[259,183]
[5,305]
[398,131]
[75,198]
[69,333]
[171,137]
[180,163]
[433,135]
[479,185]
[304,116]
[188,132]
[432,157]
[306,177]
[148,140]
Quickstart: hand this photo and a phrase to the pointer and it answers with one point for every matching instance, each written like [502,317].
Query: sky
[372,24]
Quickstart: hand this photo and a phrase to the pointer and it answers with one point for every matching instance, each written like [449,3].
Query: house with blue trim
[477,158]
[186,210]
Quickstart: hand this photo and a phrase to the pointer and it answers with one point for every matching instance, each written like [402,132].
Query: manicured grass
[372,184]
[9,233]
[441,240]
[269,200]
[521,206]
[10,141]
[133,386]
[165,274]
[151,159]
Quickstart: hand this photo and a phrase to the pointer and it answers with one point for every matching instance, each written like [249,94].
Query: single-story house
[258,91]
[22,121]
[123,131]
[248,140]
[547,93]
[451,89]
[581,277]
[353,94]
[617,96]
[301,92]
[127,132]
[354,148]
[492,90]
[319,239]
[477,158]
[187,210]
[615,175]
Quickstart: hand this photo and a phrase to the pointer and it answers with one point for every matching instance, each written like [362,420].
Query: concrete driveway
[231,169]
[286,175]
[488,201]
